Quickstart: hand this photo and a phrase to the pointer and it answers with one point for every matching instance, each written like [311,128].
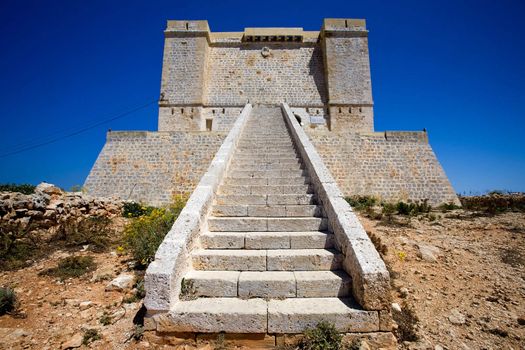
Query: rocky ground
[462,273]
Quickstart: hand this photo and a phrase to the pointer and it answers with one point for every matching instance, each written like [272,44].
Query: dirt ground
[463,274]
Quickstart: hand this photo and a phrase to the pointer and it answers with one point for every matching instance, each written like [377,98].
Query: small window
[209,123]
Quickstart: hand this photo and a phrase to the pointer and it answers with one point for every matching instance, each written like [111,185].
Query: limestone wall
[392,166]
[191,118]
[185,55]
[152,166]
[292,72]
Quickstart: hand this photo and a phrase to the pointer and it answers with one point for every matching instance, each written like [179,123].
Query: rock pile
[49,206]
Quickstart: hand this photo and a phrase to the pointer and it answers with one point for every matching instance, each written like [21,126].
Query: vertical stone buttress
[347,71]
[183,75]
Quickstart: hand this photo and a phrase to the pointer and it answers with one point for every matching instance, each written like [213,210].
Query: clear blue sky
[456,68]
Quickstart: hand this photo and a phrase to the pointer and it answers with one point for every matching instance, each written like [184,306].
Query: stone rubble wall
[49,207]
[151,167]
[390,165]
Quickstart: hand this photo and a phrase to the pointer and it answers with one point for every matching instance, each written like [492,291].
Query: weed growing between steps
[144,234]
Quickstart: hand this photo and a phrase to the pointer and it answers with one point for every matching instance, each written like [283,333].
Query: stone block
[229,260]
[237,224]
[296,224]
[266,210]
[267,284]
[287,199]
[222,240]
[267,240]
[230,210]
[311,240]
[215,315]
[317,284]
[295,315]
[213,283]
[303,260]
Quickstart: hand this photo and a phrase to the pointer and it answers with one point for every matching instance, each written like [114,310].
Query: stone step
[268,210]
[266,173]
[265,199]
[229,260]
[263,224]
[262,181]
[295,315]
[267,240]
[269,167]
[266,260]
[245,162]
[268,284]
[215,315]
[255,149]
[303,260]
[264,157]
[265,143]
[255,189]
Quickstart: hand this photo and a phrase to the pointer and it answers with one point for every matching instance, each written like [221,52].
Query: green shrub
[72,266]
[138,332]
[90,335]
[77,188]
[140,292]
[18,243]
[143,235]
[105,319]
[134,210]
[407,322]
[323,337]
[361,203]
[8,300]
[22,188]
[413,209]
[448,206]
[494,203]
[93,230]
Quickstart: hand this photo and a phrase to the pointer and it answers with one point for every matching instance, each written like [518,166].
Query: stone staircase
[267,262]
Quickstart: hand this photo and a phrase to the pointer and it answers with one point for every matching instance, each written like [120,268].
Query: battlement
[344,24]
[181,26]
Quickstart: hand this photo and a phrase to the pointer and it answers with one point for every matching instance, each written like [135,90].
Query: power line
[31,146]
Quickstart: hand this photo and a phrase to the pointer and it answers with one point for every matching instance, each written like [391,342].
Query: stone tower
[324,76]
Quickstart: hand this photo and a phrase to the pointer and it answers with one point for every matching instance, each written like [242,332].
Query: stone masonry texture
[324,76]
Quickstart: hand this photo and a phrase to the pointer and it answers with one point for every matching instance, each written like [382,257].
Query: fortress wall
[152,166]
[191,118]
[354,118]
[293,72]
[392,166]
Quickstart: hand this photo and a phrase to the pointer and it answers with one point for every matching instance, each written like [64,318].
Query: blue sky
[455,68]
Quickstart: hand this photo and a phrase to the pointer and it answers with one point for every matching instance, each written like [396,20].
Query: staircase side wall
[151,167]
